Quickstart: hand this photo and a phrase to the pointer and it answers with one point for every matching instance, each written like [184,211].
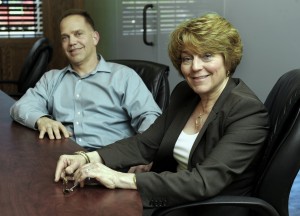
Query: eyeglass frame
[66,189]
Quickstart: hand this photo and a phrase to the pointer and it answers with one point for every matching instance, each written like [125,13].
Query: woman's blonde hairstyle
[210,33]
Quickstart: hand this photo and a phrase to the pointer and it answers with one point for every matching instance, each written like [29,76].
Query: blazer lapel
[177,126]
[213,114]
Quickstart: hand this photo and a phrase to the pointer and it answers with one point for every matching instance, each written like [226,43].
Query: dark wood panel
[12,56]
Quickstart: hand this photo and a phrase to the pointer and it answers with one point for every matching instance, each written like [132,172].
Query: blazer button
[151,203]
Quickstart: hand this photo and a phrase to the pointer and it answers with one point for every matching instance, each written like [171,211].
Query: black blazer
[222,159]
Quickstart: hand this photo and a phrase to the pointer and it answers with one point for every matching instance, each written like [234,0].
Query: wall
[114,44]
[103,12]
[270,31]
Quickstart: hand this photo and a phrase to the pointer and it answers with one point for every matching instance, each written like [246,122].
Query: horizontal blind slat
[21,19]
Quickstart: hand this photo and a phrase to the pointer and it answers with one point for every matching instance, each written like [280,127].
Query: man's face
[78,39]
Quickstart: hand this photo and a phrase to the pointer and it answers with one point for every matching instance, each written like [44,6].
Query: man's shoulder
[119,68]
[123,72]
[55,73]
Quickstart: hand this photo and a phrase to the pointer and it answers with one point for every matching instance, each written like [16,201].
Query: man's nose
[72,39]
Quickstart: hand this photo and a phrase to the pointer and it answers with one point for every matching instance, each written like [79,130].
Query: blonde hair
[210,33]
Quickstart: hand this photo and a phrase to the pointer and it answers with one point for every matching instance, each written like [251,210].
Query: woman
[207,142]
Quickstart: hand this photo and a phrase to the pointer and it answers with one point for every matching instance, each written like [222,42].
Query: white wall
[270,31]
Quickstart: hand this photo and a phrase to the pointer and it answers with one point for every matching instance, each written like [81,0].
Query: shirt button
[77,123]
[78,113]
[77,95]
[79,140]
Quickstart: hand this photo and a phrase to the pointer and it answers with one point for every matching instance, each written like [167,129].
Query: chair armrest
[253,203]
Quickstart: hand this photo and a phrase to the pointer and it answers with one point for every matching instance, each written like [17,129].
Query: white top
[183,148]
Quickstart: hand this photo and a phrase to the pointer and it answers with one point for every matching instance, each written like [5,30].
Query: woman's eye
[186,60]
[207,57]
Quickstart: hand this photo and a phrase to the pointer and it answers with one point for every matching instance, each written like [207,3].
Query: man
[92,101]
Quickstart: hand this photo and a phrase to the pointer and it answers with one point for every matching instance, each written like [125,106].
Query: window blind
[19,19]
[164,17]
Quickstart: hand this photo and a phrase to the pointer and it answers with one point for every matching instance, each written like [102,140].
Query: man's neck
[83,69]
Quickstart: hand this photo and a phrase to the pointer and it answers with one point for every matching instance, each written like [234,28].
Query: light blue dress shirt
[109,104]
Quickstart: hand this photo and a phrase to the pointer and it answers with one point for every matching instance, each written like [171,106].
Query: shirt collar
[102,66]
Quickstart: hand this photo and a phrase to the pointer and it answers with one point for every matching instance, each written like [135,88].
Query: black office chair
[154,75]
[33,68]
[281,160]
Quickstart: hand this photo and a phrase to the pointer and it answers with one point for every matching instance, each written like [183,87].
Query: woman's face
[205,74]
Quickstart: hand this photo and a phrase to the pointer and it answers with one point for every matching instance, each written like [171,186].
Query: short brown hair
[80,12]
[209,33]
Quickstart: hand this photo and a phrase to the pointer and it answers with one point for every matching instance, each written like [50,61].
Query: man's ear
[96,37]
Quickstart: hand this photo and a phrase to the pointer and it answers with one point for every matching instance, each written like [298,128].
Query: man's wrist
[36,125]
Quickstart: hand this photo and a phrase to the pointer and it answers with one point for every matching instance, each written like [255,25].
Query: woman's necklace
[200,118]
[199,121]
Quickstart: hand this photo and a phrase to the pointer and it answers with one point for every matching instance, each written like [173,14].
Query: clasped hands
[76,166]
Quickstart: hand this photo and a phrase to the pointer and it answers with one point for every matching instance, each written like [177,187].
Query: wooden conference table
[27,186]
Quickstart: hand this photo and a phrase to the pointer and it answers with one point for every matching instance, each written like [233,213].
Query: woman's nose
[197,63]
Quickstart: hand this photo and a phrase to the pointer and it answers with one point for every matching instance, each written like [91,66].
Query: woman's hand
[108,177]
[140,168]
[67,165]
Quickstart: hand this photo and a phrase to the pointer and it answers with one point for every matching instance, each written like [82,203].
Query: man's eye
[64,38]
[78,34]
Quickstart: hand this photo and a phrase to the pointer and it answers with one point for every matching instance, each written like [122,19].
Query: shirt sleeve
[139,103]
[33,104]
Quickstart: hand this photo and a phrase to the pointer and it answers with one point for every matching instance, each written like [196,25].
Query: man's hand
[52,128]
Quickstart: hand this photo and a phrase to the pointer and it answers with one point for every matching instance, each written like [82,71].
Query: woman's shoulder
[242,98]
[182,88]
[243,91]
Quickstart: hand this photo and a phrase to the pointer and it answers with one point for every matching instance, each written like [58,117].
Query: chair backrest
[281,161]
[35,64]
[154,75]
